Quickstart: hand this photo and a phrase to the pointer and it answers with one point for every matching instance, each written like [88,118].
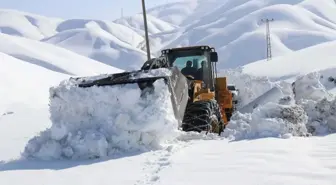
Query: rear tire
[203,116]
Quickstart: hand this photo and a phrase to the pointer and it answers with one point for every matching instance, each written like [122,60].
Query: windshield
[192,65]
[181,62]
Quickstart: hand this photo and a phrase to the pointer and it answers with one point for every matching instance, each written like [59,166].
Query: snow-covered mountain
[27,25]
[259,144]
[109,43]
[155,25]
[183,13]
[234,28]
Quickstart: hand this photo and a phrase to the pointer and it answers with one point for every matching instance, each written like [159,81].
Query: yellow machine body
[221,94]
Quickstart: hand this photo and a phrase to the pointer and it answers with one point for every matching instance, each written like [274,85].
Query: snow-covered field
[283,134]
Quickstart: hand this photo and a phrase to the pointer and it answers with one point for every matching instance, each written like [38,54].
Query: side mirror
[213,57]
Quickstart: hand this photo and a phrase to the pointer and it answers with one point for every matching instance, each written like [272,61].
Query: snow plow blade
[145,80]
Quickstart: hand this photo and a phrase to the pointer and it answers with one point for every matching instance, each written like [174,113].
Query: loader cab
[196,61]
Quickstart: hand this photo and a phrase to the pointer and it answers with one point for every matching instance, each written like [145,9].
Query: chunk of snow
[98,121]
[272,95]
[321,115]
[309,87]
[250,87]
[312,112]
[270,120]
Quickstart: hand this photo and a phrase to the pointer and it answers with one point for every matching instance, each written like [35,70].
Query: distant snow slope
[154,24]
[104,41]
[98,43]
[27,25]
[119,31]
[315,58]
[51,57]
[185,12]
[234,28]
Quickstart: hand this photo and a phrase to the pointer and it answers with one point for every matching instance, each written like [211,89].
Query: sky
[92,9]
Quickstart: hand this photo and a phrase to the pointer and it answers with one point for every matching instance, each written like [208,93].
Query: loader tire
[203,116]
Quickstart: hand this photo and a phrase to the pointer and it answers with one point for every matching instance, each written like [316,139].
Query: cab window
[191,65]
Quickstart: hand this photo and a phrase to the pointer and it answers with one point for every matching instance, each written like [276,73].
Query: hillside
[51,57]
[183,13]
[155,25]
[234,28]
[27,25]
[296,63]
[95,42]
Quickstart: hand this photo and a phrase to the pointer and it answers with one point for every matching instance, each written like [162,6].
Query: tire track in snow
[162,162]
[161,159]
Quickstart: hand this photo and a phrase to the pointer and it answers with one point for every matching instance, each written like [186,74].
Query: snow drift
[102,121]
[319,104]
[250,86]
[304,110]
[270,120]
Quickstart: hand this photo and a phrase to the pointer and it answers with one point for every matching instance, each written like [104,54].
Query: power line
[268,38]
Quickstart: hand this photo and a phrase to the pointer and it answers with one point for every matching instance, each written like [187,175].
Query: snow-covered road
[270,161]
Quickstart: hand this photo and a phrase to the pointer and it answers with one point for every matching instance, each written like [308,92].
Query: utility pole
[268,38]
[146,29]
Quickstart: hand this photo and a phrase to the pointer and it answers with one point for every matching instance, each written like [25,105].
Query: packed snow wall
[309,109]
[102,121]
[250,87]
[311,92]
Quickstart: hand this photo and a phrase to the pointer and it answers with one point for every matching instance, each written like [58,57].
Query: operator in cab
[199,72]
[189,70]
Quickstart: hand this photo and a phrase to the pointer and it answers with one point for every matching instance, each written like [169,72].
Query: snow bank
[250,87]
[270,120]
[269,96]
[309,87]
[322,116]
[309,110]
[320,105]
[100,121]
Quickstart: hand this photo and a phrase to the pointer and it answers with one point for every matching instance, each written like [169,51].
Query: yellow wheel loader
[201,100]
